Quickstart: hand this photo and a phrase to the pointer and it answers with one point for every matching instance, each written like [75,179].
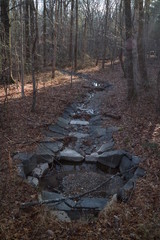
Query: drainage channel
[75,158]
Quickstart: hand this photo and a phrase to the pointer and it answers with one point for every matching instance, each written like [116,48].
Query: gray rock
[78,135]
[61,216]
[51,135]
[140,172]
[135,160]
[91,158]
[28,160]
[62,206]
[79,122]
[57,129]
[98,131]
[40,170]
[70,156]
[63,123]
[44,155]
[45,195]
[106,147]
[112,129]
[125,166]
[114,185]
[110,159]
[53,146]
[92,203]
[20,170]
[33,181]
[125,192]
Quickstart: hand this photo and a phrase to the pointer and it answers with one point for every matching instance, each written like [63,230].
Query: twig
[117,117]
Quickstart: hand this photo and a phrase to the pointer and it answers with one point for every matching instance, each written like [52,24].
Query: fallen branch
[77,197]
[117,117]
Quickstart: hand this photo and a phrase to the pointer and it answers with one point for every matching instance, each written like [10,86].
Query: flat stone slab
[114,185]
[79,135]
[57,129]
[79,122]
[61,216]
[53,146]
[62,205]
[125,166]
[62,122]
[70,155]
[44,155]
[28,160]
[92,158]
[33,181]
[111,159]
[140,172]
[105,147]
[92,203]
[40,170]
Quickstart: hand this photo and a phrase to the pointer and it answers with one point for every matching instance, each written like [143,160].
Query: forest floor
[21,130]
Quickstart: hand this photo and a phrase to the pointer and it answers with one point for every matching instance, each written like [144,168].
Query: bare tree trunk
[6,46]
[44,33]
[27,31]
[71,33]
[105,33]
[158,93]
[141,47]
[121,44]
[55,41]
[22,60]
[76,39]
[129,60]
[34,40]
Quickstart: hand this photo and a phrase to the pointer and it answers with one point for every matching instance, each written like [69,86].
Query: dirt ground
[139,133]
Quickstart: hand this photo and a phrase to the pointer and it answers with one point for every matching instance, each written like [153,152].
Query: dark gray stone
[44,155]
[53,146]
[140,172]
[40,170]
[125,166]
[33,181]
[110,159]
[91,158]
[70,156]
[92,203]
[20,170]
[56,136]
[98,131]
[106,147]
[56,129]
[28,160]
[135,160]
[112,129]
[79,122]
[79,135]
[63,123]
[125,192]
[114,185]
[62,205]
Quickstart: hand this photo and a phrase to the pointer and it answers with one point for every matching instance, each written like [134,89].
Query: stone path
[74,151]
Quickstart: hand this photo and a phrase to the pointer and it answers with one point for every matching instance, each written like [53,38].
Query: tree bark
[76,39]
[27,39]
[141,47]
[129,60]
[6,48]
[105,33]
[22,59]
[33,51]
[71,33]
[55,40]
[44,33]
